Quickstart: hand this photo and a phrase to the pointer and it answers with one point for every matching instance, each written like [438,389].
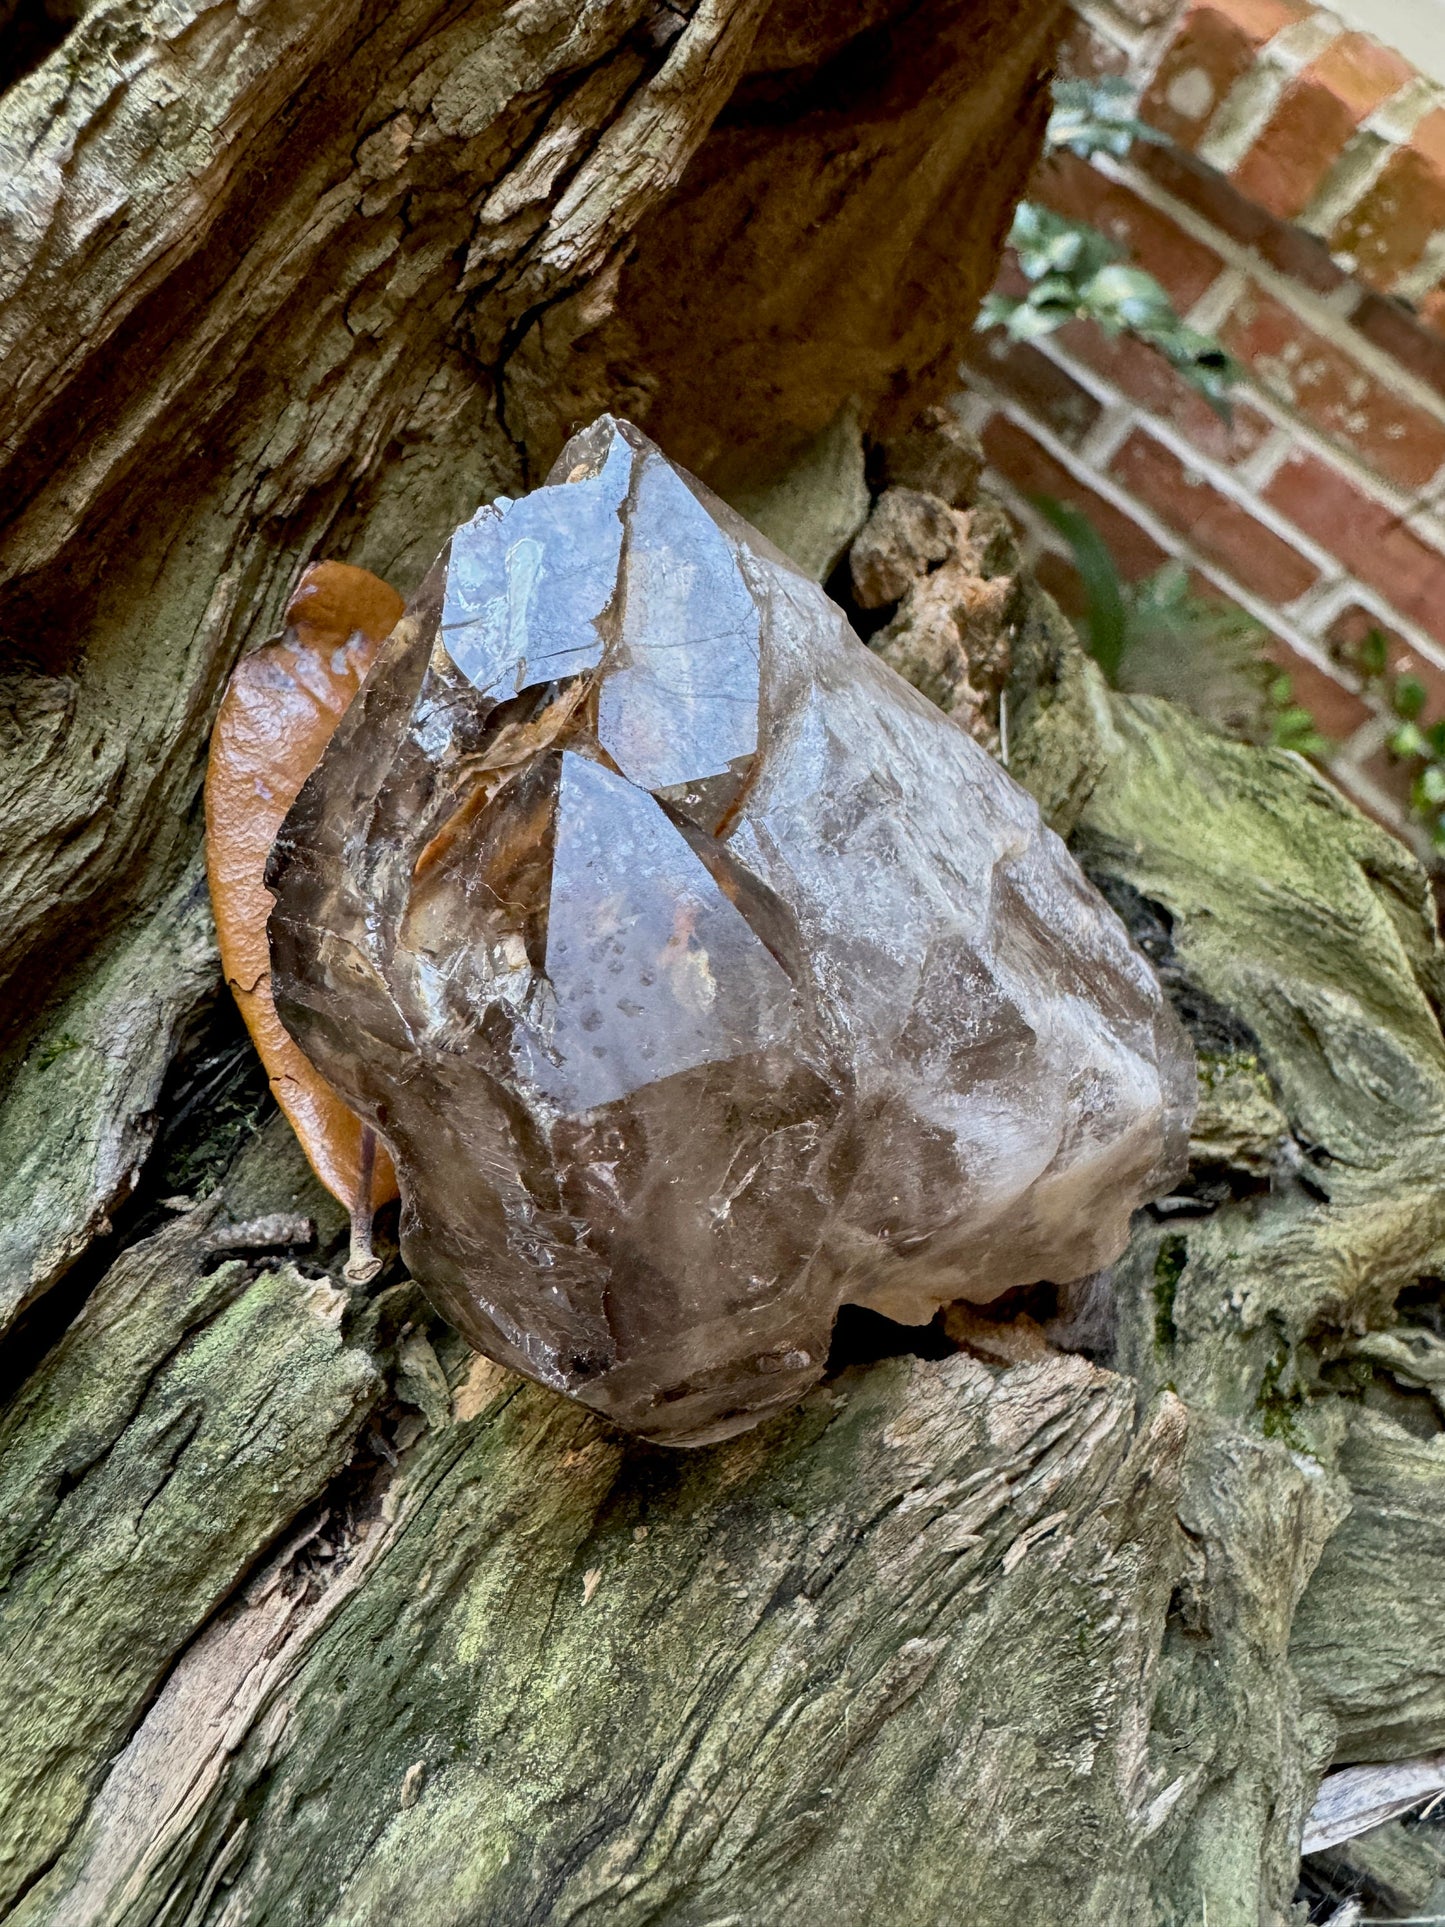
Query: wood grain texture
[762,1681]
[1022,1637]
[172,1434]
[81,1115]
[1367,1638]
[332,277]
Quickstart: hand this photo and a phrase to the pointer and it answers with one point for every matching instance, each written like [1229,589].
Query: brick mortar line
[1368,740]
[1253,473]
[1262,464]
[1347,769]
[1345,766]
[1396,118]
[1322,600]
[1276,63]
[1413,284]
[1224,480]
[1309,615]
[1347,180]
[1210,313]
[1118,418]
[1274,617]
[1331,597]
[1325,601]
[1143,45]
[1304,305]
[1219,300]
[1241,117]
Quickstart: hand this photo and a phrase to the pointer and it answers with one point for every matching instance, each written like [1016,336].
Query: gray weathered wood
[173,1433]
[557,1677]
[81,1116]
[1357,1799]
[1367,1640]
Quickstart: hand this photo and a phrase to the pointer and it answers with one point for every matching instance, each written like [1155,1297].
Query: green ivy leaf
[994,312]
[1409,698]
[1033,319]
[1075,271]
[1049,243]
[1096,117]
[1134,296]
[1408,740]
[1294,728]
[1374,653]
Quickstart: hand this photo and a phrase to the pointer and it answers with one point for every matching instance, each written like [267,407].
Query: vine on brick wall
[1075,272]
[1419,745]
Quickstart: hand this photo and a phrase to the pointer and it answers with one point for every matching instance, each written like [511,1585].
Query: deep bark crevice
[30,31]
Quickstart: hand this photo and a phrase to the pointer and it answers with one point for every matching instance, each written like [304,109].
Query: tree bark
[307,1614]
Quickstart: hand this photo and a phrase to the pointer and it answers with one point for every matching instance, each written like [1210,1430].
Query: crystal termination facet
[699,975]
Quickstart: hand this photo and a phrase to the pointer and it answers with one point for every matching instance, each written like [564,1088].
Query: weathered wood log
[80,1115]
[168,1439]
[305,1613]
[1384,1568]
[552,1674]
[329,278]
[539,1713]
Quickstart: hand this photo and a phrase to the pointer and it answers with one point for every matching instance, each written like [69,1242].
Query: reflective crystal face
[698,973]
[651,970]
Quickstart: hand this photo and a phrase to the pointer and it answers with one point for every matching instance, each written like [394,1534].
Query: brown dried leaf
[275,720]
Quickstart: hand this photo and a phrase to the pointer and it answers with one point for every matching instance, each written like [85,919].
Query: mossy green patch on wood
[178,1427]
[779,1678]
[1169,1262]
[1238,1124]
[54,1048]
[1314,931]
[1280,1398]
[79,1117]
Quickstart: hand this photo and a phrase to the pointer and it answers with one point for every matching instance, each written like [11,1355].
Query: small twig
[363,1264]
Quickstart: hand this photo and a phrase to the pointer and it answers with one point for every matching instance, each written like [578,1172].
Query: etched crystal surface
[700,975]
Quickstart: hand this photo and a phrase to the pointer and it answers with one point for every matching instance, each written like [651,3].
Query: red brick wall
[1301,217]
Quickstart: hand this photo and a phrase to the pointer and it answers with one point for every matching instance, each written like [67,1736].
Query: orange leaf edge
[278,714]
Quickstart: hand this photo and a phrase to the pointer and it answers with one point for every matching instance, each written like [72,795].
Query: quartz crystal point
[700,975]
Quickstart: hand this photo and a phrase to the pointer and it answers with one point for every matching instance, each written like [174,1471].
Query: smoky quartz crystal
[699,974]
